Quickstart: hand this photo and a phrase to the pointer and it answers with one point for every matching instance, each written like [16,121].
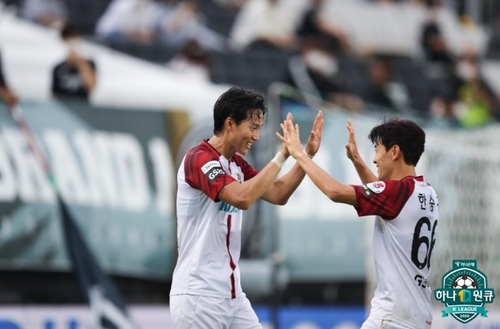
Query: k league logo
[464,291]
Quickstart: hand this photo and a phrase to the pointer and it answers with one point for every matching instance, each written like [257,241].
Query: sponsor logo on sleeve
[210,165]
[376,187]
[214,173]
[212,170]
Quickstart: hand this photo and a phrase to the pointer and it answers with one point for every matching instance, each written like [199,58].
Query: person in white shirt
[271,22]
[50,13]
[406,210]
[215,185]
[130,20]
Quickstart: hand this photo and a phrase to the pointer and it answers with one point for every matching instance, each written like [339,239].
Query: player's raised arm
[243,195]
[280,191]
[364,173]
[332,188]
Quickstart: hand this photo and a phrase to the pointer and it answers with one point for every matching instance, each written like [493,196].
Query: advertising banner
[158,317]
[113,169]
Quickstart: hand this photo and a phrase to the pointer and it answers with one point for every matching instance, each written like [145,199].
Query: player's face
[247,133]
[383,161]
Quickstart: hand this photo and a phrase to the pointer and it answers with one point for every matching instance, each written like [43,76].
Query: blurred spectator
[192,61]
[231,4]
[474,102]
[270,22]
[493,50]
[50,13]
[315,71]
[182,22]
[382,90]
[315,24]
[5,92]
[432,40]
[129,20]
[76,75]
[434,45]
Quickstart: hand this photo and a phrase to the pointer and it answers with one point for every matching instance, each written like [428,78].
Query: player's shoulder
[389,185]
[203,149]
[416,180]
[200,155]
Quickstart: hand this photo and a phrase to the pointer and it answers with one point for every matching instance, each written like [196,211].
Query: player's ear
[229,124]
[396,152]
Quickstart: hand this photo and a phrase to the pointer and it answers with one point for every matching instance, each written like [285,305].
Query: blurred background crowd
[429,57]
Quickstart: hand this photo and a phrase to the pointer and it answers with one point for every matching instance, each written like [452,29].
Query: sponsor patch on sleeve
[212,170]
[376,187]
[210,165]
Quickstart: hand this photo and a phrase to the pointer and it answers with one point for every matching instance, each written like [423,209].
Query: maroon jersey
[403,239]
[208,229]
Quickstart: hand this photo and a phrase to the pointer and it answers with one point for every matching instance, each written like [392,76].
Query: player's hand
[314,140]
[351,147]
[284,149]
[290,137]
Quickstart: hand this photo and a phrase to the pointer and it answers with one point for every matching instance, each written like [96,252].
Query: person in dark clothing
[382,90]
[315,25]
[76,75]
[434,45]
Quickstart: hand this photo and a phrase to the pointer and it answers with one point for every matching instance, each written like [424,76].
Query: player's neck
[403,171]
[222,146]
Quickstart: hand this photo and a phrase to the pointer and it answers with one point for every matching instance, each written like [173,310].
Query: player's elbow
[243,203]
[282,202]
[343,194]
[333,194]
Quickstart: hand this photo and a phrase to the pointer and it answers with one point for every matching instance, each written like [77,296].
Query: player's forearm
[326,183]
[364,173]
[281,190]
[254,188]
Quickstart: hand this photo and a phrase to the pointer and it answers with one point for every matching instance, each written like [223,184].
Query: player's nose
[256,135]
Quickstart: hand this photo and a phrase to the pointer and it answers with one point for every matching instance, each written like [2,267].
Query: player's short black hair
[239,104]
[405,133]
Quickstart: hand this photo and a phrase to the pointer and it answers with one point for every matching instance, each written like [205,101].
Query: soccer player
[406,210]
[215,185]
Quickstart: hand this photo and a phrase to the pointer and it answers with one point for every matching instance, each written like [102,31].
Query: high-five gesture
[291,137]
[314,140]
[284,149]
